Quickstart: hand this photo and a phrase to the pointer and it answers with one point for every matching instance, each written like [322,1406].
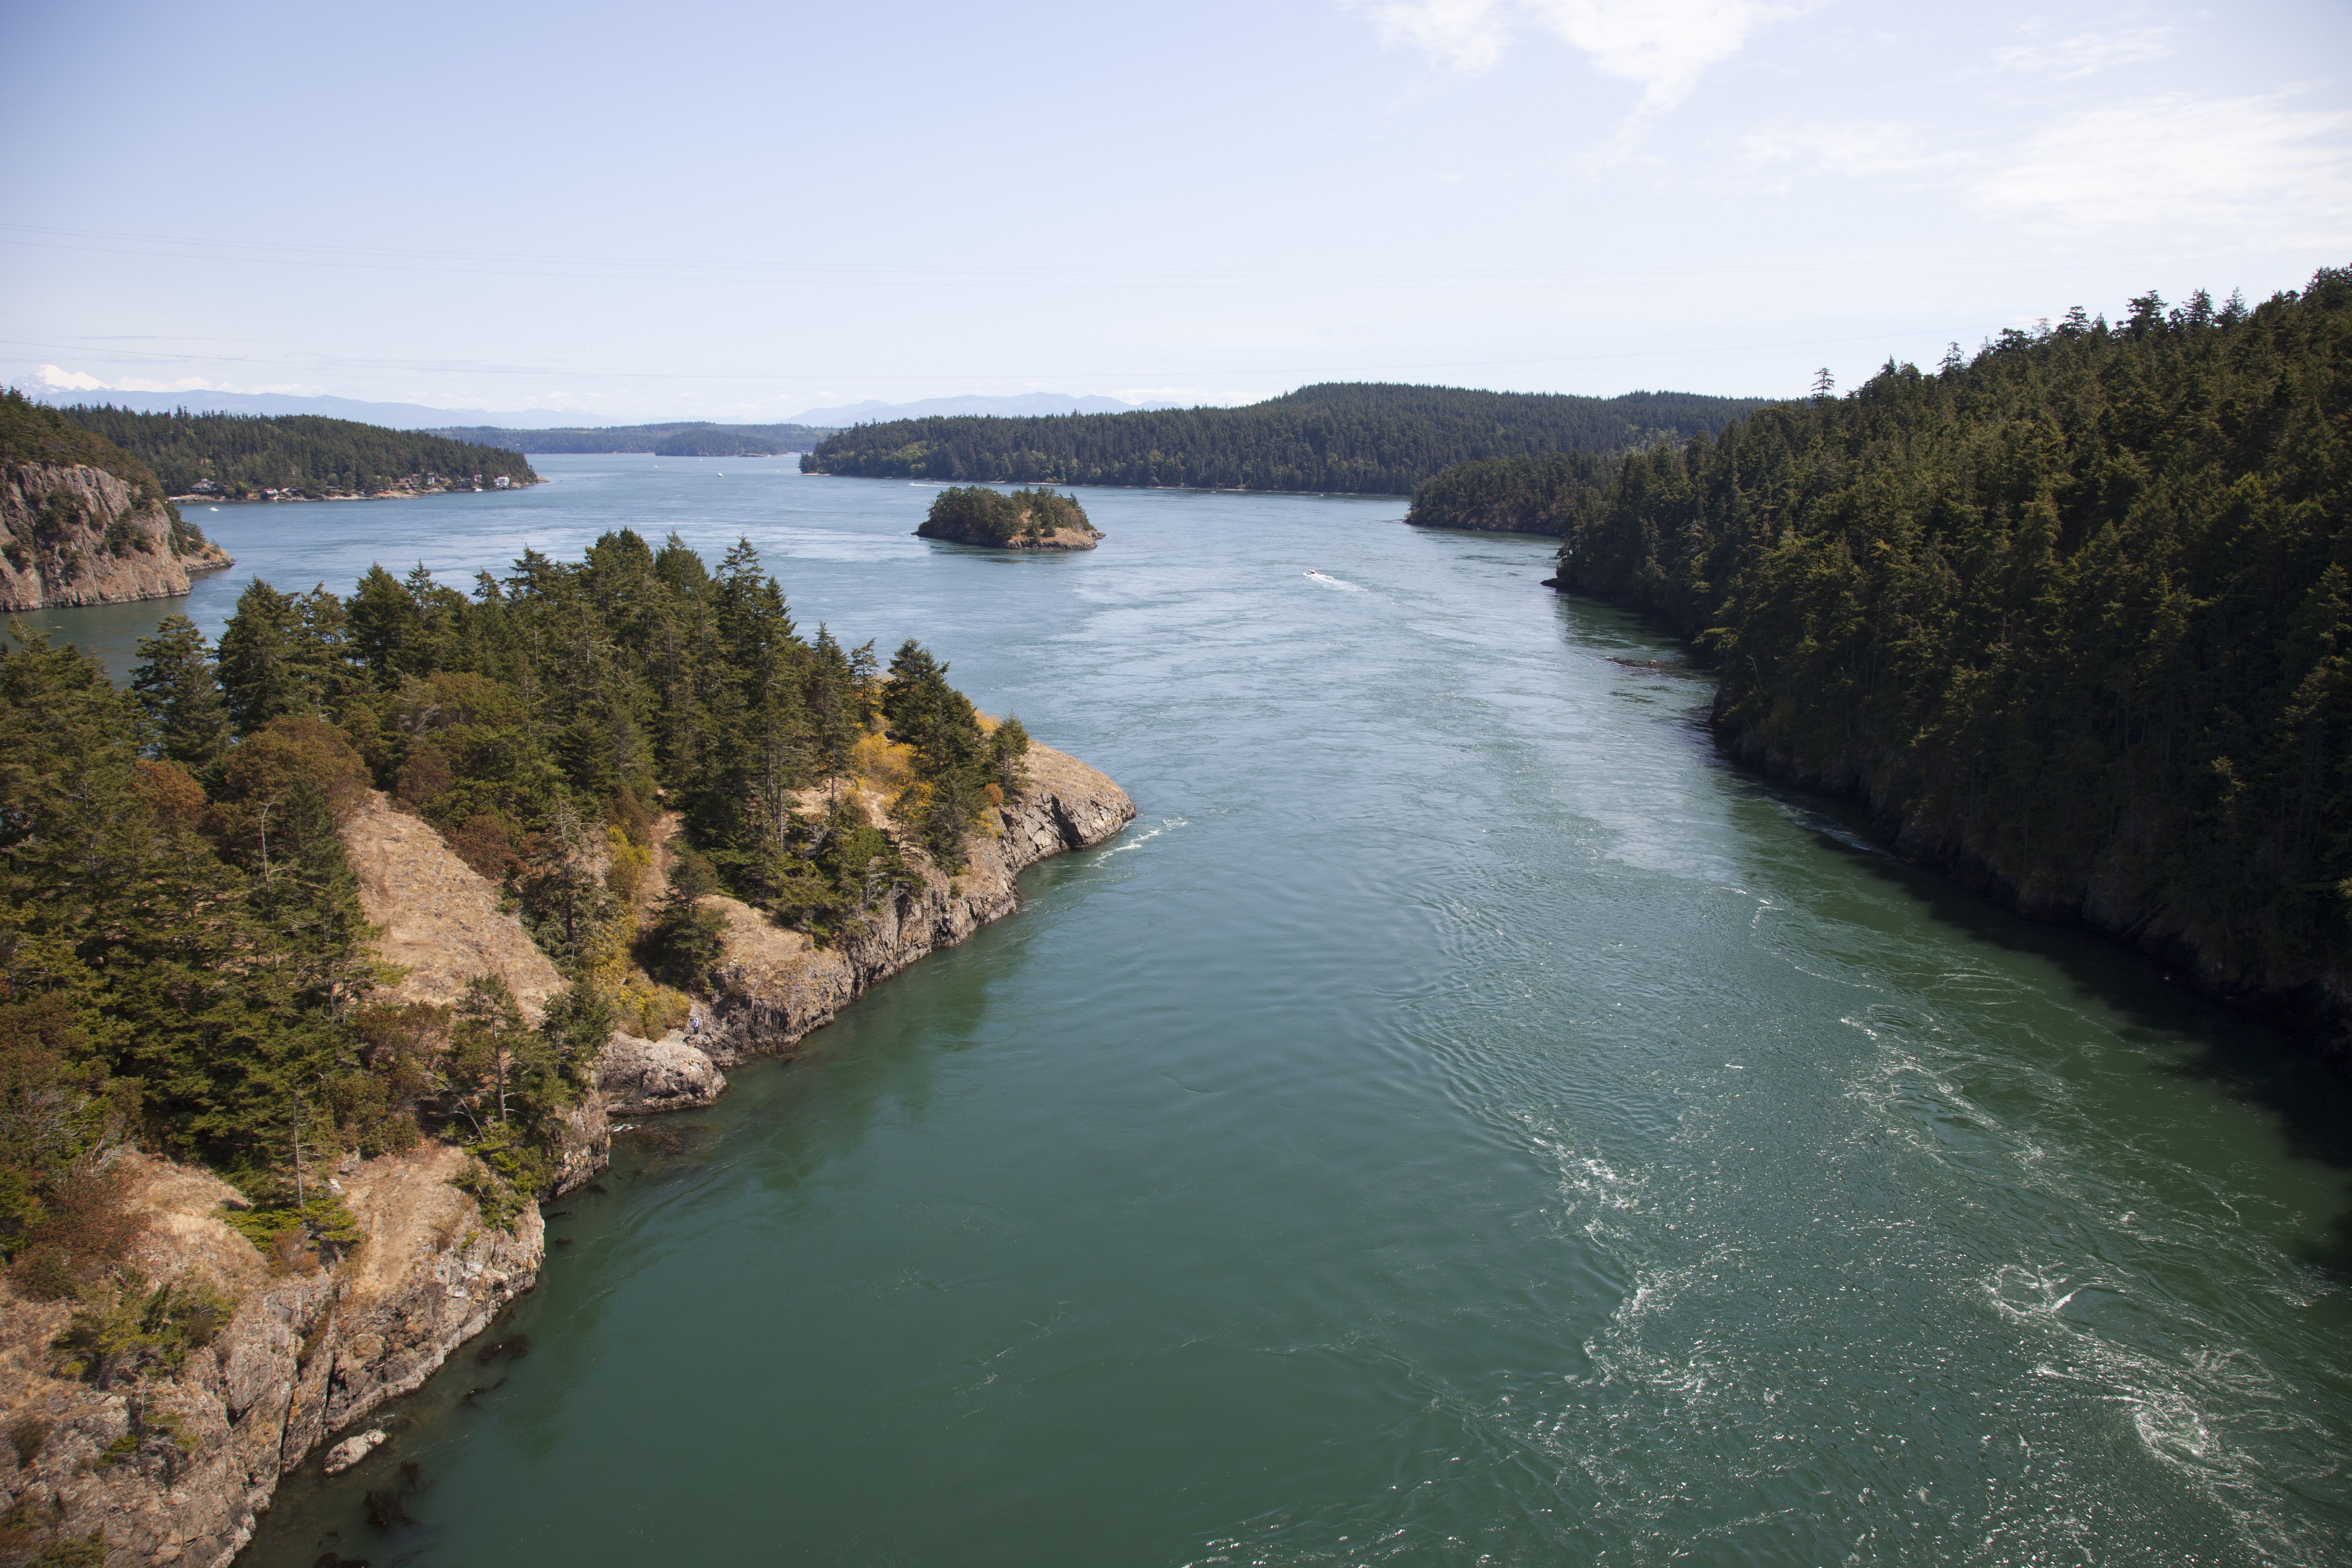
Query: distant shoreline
[197,498]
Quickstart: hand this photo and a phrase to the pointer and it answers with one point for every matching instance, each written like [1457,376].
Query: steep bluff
[174,1469]
[770,986]
[74,534]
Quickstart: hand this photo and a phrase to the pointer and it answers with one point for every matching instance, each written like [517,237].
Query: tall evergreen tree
[178,689]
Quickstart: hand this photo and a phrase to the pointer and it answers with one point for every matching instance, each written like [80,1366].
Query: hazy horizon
[745,214]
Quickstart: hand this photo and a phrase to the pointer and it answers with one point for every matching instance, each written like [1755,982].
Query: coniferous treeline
[1516,495]
[183,960]
[693,439]
[1351,439]
[2077,614]
[240,455]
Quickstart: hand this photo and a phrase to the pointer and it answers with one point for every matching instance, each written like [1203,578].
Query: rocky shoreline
[176,1469]
[72,535]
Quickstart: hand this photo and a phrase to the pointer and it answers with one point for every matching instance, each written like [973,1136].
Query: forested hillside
[241,455]
[1515,495]
[182,957]
[2076,616]
[1354,439]
[691,439]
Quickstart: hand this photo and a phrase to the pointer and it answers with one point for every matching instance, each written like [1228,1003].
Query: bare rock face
[639,1077]
[771,985]
[172,1468]
[440,917]
[587,1147]
[71,534]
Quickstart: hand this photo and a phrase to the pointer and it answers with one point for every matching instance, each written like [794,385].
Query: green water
[1460,1120]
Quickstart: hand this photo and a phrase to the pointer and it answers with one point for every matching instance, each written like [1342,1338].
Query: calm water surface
[1460,1120]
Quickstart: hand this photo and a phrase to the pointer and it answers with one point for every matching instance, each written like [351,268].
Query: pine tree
[176,686]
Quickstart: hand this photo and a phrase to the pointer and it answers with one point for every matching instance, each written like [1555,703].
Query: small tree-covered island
[1020,519]
[327,953]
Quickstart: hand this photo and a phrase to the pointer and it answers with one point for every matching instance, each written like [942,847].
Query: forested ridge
[692,438]
[1515,495]
[2075,614]
[240,455]
[1364,439]
[184,960]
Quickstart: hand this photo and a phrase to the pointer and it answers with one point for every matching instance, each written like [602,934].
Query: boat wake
[1328,581]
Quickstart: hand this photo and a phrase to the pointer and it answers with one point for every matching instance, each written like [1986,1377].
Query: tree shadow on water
[2306,1091]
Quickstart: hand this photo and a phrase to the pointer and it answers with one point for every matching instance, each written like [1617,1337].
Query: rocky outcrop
[440,918]
[770,986]
[72,535]
[640,1078]
[1040,539]
[173,1467]
[444,923]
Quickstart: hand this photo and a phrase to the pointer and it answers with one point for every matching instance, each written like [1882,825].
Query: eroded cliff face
[172,1468]
[71,534]
[770,986]
[444,923]
[440,920]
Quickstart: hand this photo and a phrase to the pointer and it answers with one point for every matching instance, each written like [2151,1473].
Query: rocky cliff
[74,534]
[770,986]
[172,1468]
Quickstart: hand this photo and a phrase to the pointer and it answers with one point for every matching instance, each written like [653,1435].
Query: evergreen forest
[1515,495]
[974,514]
[184,964]
[240,455]
[2074,614]
[1343,437]
[693,439]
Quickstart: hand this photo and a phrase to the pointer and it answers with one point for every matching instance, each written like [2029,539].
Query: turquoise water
[1460,1120]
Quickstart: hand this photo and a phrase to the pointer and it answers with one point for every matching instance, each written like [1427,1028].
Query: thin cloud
[2257,166]
[1663,46]
[1462,35]
[60,380]
[1854,150]
[2085,54]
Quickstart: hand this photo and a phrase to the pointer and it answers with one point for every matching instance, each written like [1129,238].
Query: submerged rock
[351,1450]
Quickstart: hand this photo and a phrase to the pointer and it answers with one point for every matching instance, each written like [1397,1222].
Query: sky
[739,212]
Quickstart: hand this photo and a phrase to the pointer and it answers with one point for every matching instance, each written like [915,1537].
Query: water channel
[1462,1119]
